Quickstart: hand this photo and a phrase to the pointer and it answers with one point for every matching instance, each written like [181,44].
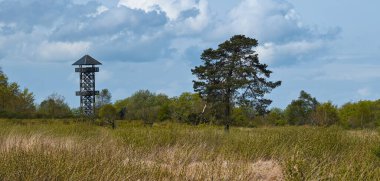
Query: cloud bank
[149,30]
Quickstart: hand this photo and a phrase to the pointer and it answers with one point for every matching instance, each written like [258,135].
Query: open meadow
[68,150]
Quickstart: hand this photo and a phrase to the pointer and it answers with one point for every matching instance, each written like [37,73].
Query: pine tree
[232,75]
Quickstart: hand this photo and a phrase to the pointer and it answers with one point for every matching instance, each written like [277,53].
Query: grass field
[64,150]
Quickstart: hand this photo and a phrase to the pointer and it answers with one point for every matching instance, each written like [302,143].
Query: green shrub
[108,114]
[281,122]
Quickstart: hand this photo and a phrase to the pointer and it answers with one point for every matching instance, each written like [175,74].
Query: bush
[326,114]
[275,114]
[363,114]
[144,105]
[108,113]
[187,108]
[299,111]
[239,117]
[281,122]
[54,107]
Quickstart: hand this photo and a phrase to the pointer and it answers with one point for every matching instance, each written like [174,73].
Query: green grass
[65,150]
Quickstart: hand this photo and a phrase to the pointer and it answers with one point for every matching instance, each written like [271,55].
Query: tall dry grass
[57,150]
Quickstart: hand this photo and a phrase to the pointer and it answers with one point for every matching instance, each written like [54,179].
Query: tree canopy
[54,106]
[187,108]
[144,105]
[103,98]
[14,102]
[361,114]
[232,75]
[325,114]
[299,111]
[109,114]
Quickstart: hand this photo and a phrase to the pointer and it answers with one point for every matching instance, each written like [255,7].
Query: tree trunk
[227,112]
[227,128]
[114,124]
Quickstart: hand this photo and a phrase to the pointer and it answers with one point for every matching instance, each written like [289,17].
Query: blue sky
[330,49]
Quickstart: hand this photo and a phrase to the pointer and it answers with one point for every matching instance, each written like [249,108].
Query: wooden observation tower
[87,90]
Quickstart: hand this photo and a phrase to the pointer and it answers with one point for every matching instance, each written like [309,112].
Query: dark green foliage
[15,103]
[299,111]
[360,115]
[232,75]
[244,117]
[109,114]
[280,122]
[307,110]
[276,117]
[54,107]
[164,112]
[144,105]
[187,108]
[121,106]
[239,117]
[326,114]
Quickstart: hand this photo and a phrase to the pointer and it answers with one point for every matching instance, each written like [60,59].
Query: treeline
[150,107]
[14,102]
[306,110]
[191,109]
[17,103]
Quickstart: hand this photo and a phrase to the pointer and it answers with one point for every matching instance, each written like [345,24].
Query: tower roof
[87,60]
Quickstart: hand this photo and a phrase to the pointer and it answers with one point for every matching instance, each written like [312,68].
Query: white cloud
[277,26]
[288,53]
[267,20]
[99,11]
[172,8]
[62,51]
[129,29]
[200,21]
[186,16]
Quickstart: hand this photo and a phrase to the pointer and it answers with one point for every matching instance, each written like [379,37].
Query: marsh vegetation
[69,150]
